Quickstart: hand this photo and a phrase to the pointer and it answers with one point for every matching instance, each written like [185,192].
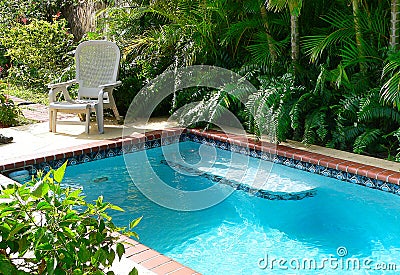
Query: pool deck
[34,144]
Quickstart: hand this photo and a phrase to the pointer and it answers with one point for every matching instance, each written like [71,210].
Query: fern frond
[367,138]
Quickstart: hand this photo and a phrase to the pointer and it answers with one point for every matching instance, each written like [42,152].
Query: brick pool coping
[353,167]
[151,259]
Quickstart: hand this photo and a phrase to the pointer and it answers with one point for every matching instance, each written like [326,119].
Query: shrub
[48,229]
[38,51]
[8,111]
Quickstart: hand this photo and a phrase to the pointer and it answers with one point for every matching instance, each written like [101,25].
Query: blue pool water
[339,227]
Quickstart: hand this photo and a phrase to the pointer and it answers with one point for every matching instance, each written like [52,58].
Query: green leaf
[45,247]
[102,226]
[15,230]
[40,189]
[120,250]
[68,232]
[44,205]
[134,271]
[99,257]
[77,272]
[59,173]
[71,216]
[135,222]
[111,256]
[115,207]
[83,253]
[51,265]
[74,194]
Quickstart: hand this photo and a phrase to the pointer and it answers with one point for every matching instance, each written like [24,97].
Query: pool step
[258,192]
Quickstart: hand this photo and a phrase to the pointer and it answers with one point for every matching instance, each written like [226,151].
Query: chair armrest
[60,87]
[62,84]
[110,85]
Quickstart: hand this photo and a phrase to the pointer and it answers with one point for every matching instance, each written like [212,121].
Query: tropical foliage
[327,72]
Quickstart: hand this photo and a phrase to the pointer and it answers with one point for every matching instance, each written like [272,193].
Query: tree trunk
[394,26]
[295,8]
[81,17]
[357,28]
[294,37]
[269,37]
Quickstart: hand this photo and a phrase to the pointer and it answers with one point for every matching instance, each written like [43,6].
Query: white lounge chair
[97,65]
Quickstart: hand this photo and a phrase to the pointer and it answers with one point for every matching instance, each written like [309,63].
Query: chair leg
[99,119]
[54,120]
[50,120]
[114,108]
[87,123]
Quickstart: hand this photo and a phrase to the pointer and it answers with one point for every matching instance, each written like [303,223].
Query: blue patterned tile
[235,148]
[385,187]
[165,141]
[288,162]
[265,156]
[223,146]
[326,172]
[98,156]
[140,146]
[277,159]
[395,188]
[110,153]
[340,175]
[72,161]
[254,154]
[379,184]
[86,158]
[33,171]
[312,168]
[320,168]
[148,144]
[156,144]
[357,179]
[244,151]
[184,137]
[212,143]
[300,165]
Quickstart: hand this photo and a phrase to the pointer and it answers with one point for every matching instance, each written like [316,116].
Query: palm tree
[394,26]
[357,29]
[294,9]
[267,29]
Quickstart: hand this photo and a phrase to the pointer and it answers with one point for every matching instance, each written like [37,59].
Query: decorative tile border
[349,171]
[92,151]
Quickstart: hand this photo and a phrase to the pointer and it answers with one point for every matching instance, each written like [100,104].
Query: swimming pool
[325,224]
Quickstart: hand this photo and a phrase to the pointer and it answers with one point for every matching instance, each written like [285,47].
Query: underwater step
[278,189]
